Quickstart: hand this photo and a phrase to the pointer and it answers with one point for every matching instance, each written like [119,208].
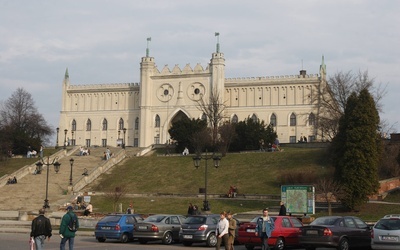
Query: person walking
[231,231]
[40,230]
[264,228]
[69,225]
[282,210]
[222,231]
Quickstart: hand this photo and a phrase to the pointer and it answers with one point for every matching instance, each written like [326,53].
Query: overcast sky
[102,41]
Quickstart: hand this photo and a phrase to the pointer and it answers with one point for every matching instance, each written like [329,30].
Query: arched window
[73,125]
[204,117]
[235,119]
[157,121]
[88,125]
[105,124]
[137,123]
[273,120]
[311,119]
[121,124]
[254,118]
[292,119]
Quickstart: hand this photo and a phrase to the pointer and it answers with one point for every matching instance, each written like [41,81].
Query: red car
[285,234]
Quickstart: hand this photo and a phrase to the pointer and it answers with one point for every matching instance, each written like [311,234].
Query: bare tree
[333,96]
[116,194]
[330,190]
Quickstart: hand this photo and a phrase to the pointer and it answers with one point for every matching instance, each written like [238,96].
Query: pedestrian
[222,231]
[231,230]
[282,210]
[69,225]
[264,228]
[41,151]
[190,209]
[40,230]
[88,209]
[130,209]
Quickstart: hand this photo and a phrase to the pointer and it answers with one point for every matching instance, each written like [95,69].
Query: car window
[388,224]
[154,218]
[130,220]
[341,223]
[174,220]
[360,223]
[168,220]
[111,219]
[324,221]
[349,222]
[213,220]
[296,222]
[195,220]
[138,218]
[286,222]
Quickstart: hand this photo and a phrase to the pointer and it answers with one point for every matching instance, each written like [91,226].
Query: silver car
[386,233]
[164,227]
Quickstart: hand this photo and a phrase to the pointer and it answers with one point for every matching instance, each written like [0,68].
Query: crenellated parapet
[103,87]
[283,78]
[187,70]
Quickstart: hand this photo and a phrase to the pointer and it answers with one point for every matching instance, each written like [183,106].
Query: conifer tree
[356,150]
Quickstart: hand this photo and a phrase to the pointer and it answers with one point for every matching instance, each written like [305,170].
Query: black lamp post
[56,165]
[65,138]
[71,162]
[123,143]
[58,130]
[196,162]
[119,133]
[72,140]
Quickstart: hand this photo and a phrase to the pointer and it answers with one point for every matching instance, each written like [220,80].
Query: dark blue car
[117,226]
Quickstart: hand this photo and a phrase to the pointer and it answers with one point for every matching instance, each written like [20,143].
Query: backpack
[72,226]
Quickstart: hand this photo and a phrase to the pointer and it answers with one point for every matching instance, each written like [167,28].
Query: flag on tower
[216,33]
[149,39]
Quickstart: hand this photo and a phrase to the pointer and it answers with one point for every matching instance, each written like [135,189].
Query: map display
[298,199]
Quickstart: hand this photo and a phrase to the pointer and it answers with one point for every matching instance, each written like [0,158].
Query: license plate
[312,232]
[188,236]
[250,230]
[390,238]
[142,227]
[106,228]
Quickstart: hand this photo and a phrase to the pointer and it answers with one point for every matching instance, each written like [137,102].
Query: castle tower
[217,70]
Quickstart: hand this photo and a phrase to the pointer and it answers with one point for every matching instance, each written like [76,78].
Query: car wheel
[167,239]
[101,239]
[280,244]
[248,247]
[142,241]
[211,240]
[187,243]
[124,238]
[343,244]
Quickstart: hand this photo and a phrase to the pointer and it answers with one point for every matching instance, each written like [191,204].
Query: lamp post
[65,138]
[58,130]
[123,143]
[47,163]
[196,162]
[71,162]
[119,133]
[72,140]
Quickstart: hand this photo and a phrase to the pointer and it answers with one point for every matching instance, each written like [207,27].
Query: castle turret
[217,70]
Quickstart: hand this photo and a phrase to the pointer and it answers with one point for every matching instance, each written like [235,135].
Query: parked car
[163,227]
[341,232]
[285,234]
[199,228]
[386,233]
[116,226]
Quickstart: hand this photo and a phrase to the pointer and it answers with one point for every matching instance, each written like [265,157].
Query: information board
[298,199]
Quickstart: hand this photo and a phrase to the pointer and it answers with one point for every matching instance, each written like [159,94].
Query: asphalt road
[18,241]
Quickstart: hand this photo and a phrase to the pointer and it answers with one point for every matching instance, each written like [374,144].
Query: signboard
[299,199]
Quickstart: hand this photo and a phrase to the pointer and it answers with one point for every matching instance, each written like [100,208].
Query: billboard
[298,199]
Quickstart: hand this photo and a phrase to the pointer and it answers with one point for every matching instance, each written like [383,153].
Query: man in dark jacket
[66,232]
[40,229]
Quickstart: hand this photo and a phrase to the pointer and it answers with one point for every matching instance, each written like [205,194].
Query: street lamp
[56,165]
[72,140]
[65,138]
[71,162]
[123,143]
[196,162]
[58,130]
[119,133]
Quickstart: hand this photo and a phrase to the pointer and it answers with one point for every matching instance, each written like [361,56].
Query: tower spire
[66,74]
[147,49]
[217,35]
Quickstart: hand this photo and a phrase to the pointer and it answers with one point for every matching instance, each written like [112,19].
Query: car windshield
[111,219]
[324,221]
[154,218]
[195,220]
[388,224]
[256,218]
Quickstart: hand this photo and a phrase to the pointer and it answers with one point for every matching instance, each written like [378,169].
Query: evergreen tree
[183,131]
[356,150]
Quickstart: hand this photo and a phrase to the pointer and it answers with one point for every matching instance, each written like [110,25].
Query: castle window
[197,91]
[121,124]
[273,120]
[104,125]
[254,118]
[88,125]
[204,117]
[235,119]
[137,123]
[157,121]
[73,125]
[311,119]
[292,119]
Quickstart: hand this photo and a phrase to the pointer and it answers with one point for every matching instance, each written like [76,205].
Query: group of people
[84,151]
[41,229]
[226,231]
[193,209]
[107,154]
[233,191]
[303,139]
[12,180]
[31,153]
[271,147]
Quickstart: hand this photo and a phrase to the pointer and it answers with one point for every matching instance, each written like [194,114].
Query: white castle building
[140,114]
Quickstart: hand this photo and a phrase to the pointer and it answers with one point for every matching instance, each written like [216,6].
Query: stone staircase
[30,191]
